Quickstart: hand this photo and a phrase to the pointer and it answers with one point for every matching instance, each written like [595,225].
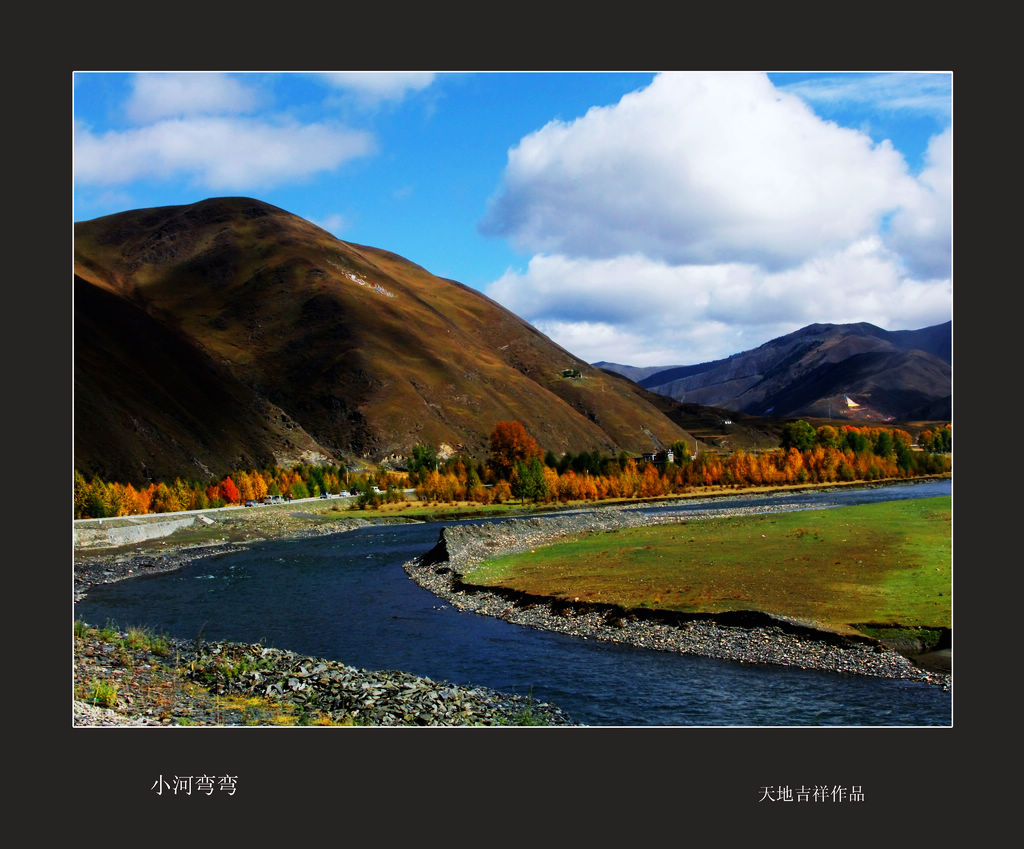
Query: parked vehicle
[250,503]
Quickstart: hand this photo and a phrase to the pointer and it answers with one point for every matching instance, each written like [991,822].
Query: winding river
[346,597]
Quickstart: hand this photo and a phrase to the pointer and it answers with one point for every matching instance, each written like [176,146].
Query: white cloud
[216,152]
[709,213]
[639,311]
[695,168]
[156,96]
[922,228]
[924,93]
[378,86]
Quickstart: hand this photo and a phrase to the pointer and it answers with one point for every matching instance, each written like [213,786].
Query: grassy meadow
[888,563]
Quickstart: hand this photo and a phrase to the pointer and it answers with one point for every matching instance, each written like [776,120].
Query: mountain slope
[890,374]
[230,332]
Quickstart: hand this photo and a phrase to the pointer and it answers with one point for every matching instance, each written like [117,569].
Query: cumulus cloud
[640,311]
[694,168]
[219,153]
[156,96]
[708,213]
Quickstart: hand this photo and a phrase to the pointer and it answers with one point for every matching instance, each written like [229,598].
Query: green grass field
[885,563]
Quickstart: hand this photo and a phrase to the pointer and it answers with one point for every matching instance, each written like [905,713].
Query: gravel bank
[190,683]
[236,684]
[747,638]
[239,532]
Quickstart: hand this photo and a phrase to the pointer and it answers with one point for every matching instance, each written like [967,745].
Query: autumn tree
[228,491]
[651,483]
[511,444]
[826,436]
[474,486]
[81,496]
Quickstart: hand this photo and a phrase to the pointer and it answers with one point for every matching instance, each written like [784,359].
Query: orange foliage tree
[511,444]
[228,491]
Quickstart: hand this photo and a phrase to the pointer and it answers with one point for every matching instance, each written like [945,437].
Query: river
[346,597]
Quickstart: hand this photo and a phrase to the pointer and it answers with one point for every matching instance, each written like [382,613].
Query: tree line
[518,468]
[96,498]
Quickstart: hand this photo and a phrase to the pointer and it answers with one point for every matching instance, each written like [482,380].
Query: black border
[445,784]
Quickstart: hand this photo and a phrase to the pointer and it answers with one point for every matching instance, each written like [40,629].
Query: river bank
[746,637]
[761,642]
[124,678]
[129,679]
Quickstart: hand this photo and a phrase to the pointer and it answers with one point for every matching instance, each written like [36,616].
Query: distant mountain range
[232,334]
[852,371]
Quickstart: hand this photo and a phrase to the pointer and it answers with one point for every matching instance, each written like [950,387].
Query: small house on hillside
[660,458]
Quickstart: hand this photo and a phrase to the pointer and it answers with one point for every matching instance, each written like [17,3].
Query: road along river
[346,597]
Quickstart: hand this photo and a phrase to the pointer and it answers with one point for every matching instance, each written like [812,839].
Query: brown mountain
[890,375]
[230,333]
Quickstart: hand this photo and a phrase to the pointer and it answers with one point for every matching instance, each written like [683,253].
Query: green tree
[424,458]
[474,486]
[528,481]
[883,446]
[680,453]
[81,495]
[855,441]
[798,435]
[97,501]
[904,457]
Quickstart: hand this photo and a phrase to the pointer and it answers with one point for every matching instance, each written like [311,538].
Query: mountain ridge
[306,348]
[889,375]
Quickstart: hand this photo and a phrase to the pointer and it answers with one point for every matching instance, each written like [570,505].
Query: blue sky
[640,218]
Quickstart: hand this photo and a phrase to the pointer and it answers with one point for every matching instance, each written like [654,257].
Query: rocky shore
[174,682]
[190,683]
[744,637]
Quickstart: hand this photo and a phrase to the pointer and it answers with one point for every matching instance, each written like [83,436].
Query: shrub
[102,694]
